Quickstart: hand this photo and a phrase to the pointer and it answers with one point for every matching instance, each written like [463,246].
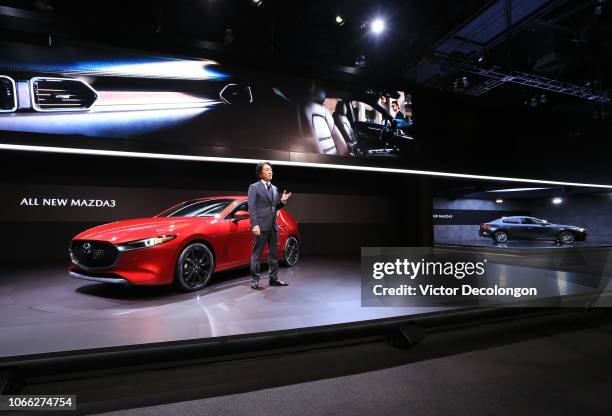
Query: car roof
[219,197]
[520,216]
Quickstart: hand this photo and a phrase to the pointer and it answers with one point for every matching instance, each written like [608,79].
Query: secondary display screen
[493,215]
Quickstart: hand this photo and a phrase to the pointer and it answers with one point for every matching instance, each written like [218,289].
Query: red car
[183,245]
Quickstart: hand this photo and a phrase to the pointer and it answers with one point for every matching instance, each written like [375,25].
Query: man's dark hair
[260,167]
[395,102]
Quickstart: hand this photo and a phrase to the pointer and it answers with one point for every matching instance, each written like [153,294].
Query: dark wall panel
[338,211]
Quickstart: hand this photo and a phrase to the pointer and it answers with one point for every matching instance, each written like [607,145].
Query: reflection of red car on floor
[184,245]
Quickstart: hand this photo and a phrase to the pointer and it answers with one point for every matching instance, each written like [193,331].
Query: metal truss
[496,77]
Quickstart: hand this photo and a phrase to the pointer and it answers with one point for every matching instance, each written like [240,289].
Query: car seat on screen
[345,127]
[327,138]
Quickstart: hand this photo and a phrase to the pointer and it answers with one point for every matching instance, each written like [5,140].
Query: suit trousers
[259,241]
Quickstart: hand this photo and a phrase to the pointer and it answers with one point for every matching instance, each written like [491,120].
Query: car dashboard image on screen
[118,100]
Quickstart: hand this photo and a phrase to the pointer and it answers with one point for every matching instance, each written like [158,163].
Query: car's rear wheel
[292,252]
[194,267]
[567,237]
[500,236]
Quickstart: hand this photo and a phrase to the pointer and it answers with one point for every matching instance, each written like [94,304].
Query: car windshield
[198,208]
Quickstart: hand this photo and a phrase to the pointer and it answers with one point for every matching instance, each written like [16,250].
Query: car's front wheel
[194,267]
[567,237]
[292,252]
[500,236]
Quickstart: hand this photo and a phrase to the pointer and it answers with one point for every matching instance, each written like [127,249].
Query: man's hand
[256,230]
[285,196]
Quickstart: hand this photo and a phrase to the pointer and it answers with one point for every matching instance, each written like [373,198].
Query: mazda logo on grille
[87,248]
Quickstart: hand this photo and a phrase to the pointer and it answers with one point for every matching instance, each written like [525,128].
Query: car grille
[93,254]
[55,94]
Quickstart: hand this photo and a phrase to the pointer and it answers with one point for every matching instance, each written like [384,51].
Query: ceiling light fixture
[378,26]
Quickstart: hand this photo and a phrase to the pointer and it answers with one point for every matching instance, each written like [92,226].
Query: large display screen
[501,216]
[115,100]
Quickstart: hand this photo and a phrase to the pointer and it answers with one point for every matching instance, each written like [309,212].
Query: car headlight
[145,243]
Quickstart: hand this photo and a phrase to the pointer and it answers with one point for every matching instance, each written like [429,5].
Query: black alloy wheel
[567,237]
[500,236]
[292,251]
[194,267]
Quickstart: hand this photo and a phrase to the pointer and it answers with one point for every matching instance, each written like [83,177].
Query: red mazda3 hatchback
[183,245]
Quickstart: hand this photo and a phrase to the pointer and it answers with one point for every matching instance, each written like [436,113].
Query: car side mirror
[236,94]
[240,215]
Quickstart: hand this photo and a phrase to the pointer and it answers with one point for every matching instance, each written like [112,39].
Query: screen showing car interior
[116,100]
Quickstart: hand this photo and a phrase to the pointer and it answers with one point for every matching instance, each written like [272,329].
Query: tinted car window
[366,113]
[511,220]
[241,207]
[201,208]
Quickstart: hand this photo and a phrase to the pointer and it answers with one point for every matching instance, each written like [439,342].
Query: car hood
[571,227]
[137,229]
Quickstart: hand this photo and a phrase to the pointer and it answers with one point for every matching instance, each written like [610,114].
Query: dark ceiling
[535,52]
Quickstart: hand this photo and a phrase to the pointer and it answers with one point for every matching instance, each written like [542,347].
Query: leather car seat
[327,138]
[345,127]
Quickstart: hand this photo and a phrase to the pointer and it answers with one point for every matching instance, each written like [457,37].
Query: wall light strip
[164,156]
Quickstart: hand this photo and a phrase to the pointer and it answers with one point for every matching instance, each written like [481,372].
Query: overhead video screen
[103,99]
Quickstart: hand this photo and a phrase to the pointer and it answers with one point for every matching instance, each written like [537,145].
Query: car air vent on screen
[57,94]
[8,102]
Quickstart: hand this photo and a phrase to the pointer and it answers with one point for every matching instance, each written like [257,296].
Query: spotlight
[378,26]
[361,61]
[557,201]
[257,2]
[499,201]
[481,59]
[339,20]
[465,82]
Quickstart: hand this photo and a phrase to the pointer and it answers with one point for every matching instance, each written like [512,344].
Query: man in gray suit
[264,203]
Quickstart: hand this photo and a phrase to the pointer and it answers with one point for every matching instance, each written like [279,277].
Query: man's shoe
[254,284]
[277,282]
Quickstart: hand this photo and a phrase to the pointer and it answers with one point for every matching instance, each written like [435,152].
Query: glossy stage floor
[44,310]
